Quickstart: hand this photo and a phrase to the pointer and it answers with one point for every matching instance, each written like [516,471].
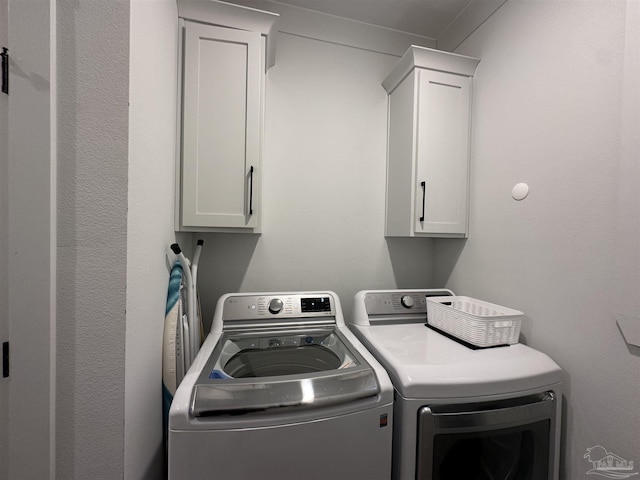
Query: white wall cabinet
[428,144]
[221,112]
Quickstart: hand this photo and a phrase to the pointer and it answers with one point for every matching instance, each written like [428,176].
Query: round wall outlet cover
[520,191]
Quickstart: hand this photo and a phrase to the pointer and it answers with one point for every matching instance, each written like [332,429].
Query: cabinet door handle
[424,198]
[251,191]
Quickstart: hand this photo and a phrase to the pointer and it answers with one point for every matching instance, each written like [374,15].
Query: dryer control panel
[390,302]
[398,302]
[395,306]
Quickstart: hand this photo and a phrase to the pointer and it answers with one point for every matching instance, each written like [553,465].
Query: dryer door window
[519,453]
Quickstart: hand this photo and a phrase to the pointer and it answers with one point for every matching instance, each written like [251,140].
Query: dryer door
[503,440]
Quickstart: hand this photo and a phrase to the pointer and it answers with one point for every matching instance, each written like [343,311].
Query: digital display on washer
[315,304]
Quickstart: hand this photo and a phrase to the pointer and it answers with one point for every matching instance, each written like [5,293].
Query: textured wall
[93,79]
[556,106]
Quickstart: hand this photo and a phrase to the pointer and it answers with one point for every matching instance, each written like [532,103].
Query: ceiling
[429,18]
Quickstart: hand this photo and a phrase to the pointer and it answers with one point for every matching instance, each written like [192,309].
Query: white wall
[557,255]
[152,143]
[323,174]
[556,105]
[323,184]
[93,112]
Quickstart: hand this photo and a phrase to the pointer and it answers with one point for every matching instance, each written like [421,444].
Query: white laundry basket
[477,322]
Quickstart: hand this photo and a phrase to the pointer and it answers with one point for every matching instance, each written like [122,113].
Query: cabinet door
[221,94]
[442,153]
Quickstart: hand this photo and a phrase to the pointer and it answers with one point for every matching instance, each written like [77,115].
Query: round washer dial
[275,305]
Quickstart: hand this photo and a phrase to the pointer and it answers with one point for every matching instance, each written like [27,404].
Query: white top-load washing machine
[281,389]
[460,412]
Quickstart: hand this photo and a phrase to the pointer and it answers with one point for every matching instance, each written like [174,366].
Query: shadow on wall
[224,263]
[157,468]
[446,253]
[629,328]
[407,261]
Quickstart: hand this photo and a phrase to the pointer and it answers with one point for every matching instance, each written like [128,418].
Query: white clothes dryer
[461,413]
[281,389]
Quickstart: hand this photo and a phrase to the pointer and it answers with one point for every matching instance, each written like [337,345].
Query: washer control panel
[248,307]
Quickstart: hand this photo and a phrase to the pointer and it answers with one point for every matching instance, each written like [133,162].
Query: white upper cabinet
[221,112]
[428,144]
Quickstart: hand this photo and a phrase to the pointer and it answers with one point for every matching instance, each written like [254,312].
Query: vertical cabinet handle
[251,191]
[424,198]
[5,70]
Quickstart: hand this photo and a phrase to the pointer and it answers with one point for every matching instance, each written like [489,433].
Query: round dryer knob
[407,301]
[275,305]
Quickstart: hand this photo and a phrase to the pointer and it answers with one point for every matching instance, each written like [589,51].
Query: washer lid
[304,368]
[425,364]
